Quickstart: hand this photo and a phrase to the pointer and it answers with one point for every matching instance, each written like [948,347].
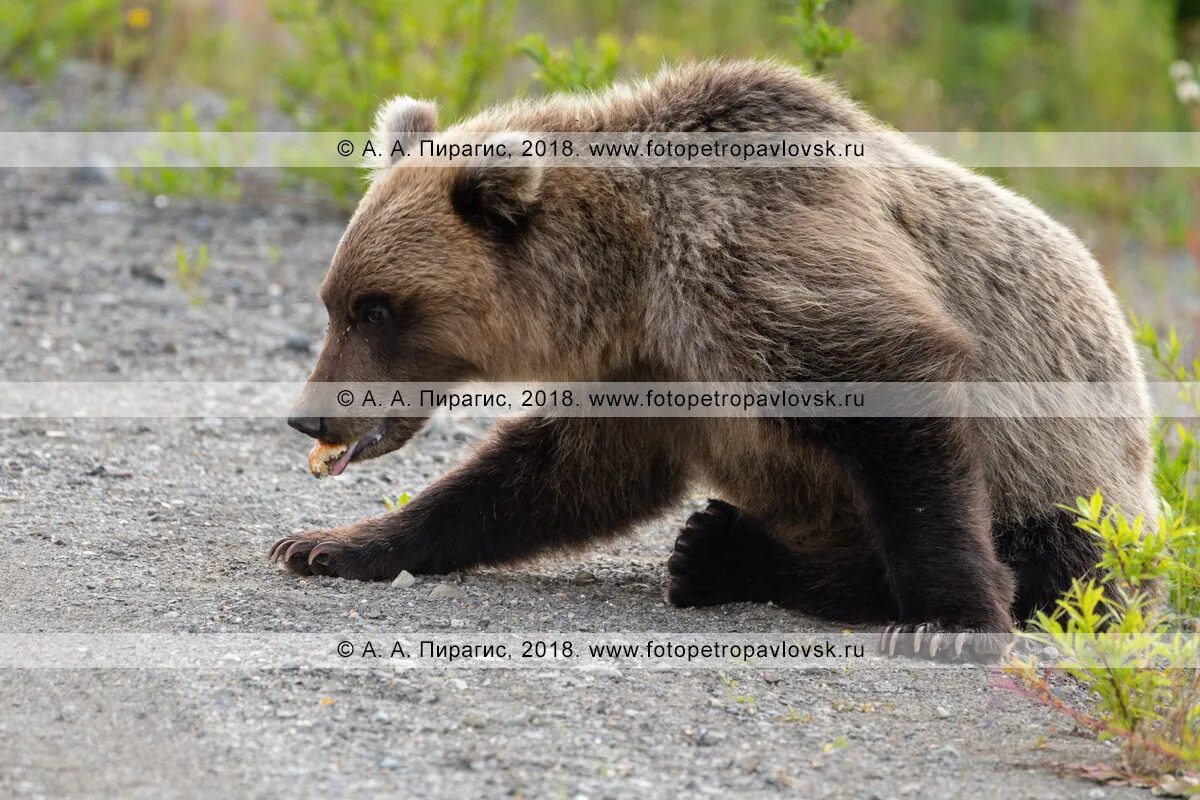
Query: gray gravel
[162,526]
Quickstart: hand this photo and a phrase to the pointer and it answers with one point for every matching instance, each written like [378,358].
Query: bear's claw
[961,644]
[358,552]
[307,554]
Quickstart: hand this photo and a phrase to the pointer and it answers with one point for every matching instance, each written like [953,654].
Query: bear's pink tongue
[339,466]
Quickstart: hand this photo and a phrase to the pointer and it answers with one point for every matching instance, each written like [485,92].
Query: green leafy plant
[189,272]
[742,698]
[1177,463]
[819,42]
[1134,645]
[396,503]
[580,67]
[1118,642]
[794,717]
[839,743]
[182,136]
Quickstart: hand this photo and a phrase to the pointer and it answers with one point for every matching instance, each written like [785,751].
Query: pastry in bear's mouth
[321,455]
[332,459]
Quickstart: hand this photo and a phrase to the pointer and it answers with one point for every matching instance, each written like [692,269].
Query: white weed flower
[1188,91]
[1180,71]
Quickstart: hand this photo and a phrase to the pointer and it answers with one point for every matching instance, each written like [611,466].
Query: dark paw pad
[708,566]
[934,640]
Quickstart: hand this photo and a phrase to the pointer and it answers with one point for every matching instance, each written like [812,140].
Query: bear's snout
[315,427]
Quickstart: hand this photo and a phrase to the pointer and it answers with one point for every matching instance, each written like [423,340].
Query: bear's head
[412,292]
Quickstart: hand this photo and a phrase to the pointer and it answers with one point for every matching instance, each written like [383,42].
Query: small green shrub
[1135,648]
[1139,658]
[35,36]
[1177,463]
[182,136]
[819,42]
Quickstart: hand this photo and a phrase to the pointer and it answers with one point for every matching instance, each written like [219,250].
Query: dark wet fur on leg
[532,490]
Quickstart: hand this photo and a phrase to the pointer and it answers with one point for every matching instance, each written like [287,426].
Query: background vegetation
[922,65]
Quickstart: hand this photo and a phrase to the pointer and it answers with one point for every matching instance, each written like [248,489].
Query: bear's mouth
[332,459]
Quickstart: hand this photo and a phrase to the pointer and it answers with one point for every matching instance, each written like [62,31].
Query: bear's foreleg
[927,505]
[536,486]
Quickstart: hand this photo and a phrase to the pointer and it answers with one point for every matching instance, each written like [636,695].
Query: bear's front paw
[341,552]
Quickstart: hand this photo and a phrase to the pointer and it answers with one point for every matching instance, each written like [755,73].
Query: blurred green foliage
[35,37]
[923,64]
[345,57]
[918,64]
[818,41]
[182,137]
[577,68]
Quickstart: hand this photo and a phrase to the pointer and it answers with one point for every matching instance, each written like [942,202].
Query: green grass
[396,503]
[189,272]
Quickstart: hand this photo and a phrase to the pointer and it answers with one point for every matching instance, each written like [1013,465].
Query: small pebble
[583,578]
[941,712]
[447,591]
[947,753]
[298,342]
[404,580]
[148,274]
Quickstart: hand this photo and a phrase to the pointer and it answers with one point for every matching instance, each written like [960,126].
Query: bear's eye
[373,313]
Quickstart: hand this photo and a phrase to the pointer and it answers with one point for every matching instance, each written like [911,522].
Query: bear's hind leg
[724,555]
[1045,555]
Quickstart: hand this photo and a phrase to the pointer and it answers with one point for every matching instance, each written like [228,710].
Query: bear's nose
[312,426]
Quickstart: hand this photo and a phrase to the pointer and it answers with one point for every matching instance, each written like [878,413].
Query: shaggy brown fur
[917,273]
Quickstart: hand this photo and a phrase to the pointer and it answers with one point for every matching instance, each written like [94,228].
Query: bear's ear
[498,191]
[397,125]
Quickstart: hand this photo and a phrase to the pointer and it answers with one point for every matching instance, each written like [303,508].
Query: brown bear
[918,270]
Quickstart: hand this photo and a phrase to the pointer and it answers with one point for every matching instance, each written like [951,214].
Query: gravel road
[161,526]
